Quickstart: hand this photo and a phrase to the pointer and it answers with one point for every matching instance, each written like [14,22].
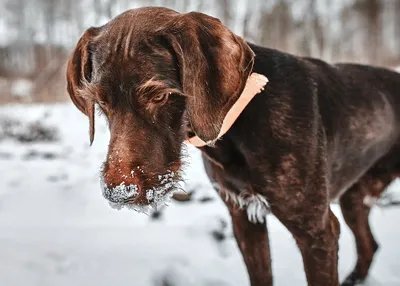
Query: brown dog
[317,132]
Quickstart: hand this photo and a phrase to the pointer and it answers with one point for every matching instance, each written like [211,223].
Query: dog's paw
[352,280]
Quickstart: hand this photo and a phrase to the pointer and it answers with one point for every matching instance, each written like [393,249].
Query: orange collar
[254,85]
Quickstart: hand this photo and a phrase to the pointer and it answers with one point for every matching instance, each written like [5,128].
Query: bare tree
[41,32]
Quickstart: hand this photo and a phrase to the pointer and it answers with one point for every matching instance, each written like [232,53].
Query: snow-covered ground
[56,228]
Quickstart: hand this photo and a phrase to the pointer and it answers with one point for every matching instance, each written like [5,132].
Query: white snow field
[56,229]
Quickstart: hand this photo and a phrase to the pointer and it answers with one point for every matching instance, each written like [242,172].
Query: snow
[22,88]
[119,194]
[57,229]
[256,205]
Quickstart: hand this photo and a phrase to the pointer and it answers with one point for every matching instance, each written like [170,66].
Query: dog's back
[358,106]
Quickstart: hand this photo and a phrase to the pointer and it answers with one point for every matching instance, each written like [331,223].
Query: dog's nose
[120,184]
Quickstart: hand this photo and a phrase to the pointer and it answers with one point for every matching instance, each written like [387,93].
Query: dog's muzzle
[132,196]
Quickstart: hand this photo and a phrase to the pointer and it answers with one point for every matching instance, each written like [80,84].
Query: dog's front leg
[317,238]
[253,242]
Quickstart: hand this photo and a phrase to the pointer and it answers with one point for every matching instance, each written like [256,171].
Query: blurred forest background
[36,36]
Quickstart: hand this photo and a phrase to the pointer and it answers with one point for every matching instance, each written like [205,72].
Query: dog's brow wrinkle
[151,85]
[118,42]
[127,43]
[108,50]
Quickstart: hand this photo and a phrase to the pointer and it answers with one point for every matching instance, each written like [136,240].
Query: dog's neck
[254,85]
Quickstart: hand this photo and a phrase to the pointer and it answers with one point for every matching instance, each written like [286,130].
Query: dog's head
[151,70]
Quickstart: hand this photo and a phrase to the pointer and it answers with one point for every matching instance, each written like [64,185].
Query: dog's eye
[161,97]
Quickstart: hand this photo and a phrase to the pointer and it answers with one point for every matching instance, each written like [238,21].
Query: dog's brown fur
[318,131]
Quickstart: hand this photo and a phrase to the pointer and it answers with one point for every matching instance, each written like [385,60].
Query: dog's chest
[255,205]
[232,182]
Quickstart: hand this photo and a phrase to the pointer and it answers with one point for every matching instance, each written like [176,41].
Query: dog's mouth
[135,197]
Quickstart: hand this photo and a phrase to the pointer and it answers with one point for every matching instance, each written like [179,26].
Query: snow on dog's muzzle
[121,193]
[129,192]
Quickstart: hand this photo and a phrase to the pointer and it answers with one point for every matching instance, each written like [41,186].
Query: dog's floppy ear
[79,72]
[214,65]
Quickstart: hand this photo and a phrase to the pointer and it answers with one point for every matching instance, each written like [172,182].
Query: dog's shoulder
[290,73]
[274,63]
